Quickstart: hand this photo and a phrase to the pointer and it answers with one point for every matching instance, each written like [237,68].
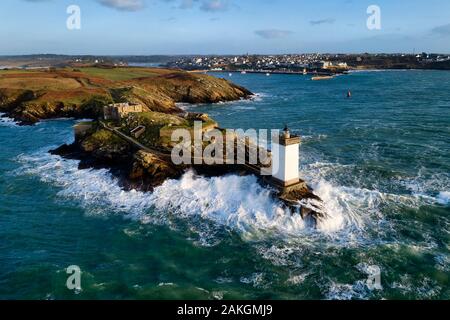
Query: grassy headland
[31,95]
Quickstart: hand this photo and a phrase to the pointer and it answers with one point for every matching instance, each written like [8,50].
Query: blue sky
[223,26]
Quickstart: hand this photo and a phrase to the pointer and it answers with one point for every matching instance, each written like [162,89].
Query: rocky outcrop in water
[136,169]
[103,147]
[149,171]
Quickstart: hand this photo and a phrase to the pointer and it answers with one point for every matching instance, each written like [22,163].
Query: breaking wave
[431,188]
[5,121]
[235,202]
[97,191]
[314,138]
[231,201]
[256,97]
[444,197]
[355,214]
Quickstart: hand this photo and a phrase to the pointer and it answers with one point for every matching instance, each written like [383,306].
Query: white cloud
[124,5]
[204,5]
[273,33]
[322,21]
[214,5]
[187,4]
[442,30]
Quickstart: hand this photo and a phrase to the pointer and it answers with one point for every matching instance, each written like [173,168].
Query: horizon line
[213,54]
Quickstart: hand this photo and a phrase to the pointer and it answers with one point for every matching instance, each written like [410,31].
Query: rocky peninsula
[135,113]
[29,96]
[137,150]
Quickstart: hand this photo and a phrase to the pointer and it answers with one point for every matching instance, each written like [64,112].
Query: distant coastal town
[261,63]
[286,63]
[301,63]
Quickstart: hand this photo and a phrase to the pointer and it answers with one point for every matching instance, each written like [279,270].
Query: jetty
[319,78]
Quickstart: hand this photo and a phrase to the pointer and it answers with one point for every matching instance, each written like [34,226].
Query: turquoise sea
[380,161]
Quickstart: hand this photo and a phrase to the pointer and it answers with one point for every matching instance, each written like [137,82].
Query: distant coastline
[286,64]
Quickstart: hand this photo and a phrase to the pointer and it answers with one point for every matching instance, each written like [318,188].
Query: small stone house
[138,131]
[118,111]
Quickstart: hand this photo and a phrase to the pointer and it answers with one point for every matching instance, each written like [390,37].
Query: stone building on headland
[118,111]
[193,116]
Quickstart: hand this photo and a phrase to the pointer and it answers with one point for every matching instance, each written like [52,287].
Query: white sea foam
[7,122]
[240,104]
[256,97]
[96,190]
[259,96]
[442,262]
[348,208]
[424,288]
[444,197]
[232,201]
[339,291]
[311,138]
[166,284]
[83,120]
[183,106]
[430,188]
[236,202]
[358,203]
[257,280]
[297,279]
[242,204]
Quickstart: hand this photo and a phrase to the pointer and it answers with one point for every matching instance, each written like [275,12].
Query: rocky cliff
[136,169]
[29,96]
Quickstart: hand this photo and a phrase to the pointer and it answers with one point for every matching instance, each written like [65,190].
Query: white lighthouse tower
[285,159]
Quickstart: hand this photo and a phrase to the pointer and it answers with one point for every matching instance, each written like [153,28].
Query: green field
[118,74]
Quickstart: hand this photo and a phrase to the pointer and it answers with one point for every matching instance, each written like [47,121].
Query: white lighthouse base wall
[285,162]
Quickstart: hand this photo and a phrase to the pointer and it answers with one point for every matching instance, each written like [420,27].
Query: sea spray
[238,105]
[6,121]
[354,215]
[231,201]
[427,186]
[444,197]
[97,191]
[240,203]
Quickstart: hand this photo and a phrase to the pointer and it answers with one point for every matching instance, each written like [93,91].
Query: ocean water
[380,161]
